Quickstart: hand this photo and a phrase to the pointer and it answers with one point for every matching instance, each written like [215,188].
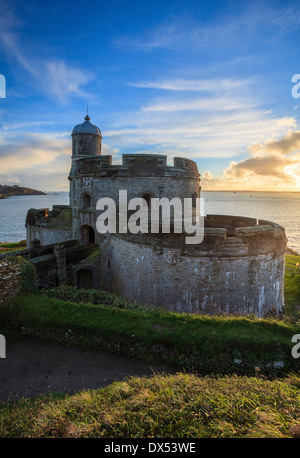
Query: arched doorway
[87,234]
[84,279]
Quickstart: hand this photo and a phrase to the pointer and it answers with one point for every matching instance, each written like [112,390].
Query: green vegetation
[27,281]
[206,344]
[92,296]
[178,406]
[241,391]
[7,247]
[292,285]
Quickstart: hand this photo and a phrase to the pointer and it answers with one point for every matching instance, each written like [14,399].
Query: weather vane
[87,118]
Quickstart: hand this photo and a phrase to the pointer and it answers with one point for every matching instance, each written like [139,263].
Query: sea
[280,207]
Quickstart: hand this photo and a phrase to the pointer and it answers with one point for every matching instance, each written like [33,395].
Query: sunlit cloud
[40,158]
[284,145]
[24,156]
[272,165]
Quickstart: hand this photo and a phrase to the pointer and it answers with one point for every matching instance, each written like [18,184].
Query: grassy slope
[167,406]
[205,343]
[180,406]
[292,285]
[13,246]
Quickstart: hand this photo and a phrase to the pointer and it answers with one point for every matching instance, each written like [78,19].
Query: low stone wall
[49,227]
[47,236]
[241,273]
[9,272]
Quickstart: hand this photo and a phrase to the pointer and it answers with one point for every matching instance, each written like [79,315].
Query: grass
[202,343]
[225,403]
[13,246]
[292,285]
[163,406]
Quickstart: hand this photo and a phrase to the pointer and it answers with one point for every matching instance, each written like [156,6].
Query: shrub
[27,280]
[92,296]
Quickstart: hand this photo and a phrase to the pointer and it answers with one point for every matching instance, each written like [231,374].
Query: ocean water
[13,213]
[282,208]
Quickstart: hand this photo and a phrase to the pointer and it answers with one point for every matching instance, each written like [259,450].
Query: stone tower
[237,269]
[86,140]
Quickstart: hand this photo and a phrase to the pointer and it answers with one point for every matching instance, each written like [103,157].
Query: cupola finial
[87,118]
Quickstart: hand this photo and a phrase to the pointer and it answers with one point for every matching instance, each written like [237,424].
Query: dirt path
[34,366]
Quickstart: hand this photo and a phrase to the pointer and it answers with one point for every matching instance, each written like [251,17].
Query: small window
[194,200]
[86,200]
[147,197]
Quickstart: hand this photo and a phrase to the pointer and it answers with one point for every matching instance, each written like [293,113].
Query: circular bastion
[238,269]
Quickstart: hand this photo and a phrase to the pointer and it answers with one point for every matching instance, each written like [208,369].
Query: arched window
[87,234]
[148,196]
[86,200]
[194,200]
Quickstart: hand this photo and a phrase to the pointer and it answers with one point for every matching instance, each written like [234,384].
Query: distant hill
[8,191]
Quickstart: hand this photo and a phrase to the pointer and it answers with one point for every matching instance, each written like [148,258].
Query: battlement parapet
[134,165]
[237,239]
[59,216]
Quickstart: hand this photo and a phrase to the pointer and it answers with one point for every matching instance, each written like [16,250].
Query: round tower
[86,140]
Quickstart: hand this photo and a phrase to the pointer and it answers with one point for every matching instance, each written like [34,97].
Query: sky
[214,81]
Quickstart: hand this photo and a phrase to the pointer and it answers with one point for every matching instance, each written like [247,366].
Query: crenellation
[238,268]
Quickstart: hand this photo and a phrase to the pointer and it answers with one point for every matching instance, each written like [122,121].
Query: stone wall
[240,274]
[47,236]
[139,175]
[86,144]
[49,227]
[9,272]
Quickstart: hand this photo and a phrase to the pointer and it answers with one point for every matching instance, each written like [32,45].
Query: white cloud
[53,76]
[214,84]
[289,143]
[200,104]
[195,125]
[274,164]
[187,32]
[27,154]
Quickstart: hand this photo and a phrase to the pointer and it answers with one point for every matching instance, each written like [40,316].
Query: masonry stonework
[237,269]
[241,274]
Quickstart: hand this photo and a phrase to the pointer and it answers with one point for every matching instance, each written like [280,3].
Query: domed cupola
[86,128]
[86,139]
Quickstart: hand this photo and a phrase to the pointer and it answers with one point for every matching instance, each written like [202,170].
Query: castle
[237,269]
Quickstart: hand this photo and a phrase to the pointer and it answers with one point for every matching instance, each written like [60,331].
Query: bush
[92,296]
[27,280]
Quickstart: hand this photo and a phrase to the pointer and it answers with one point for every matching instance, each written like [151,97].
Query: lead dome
[86,128]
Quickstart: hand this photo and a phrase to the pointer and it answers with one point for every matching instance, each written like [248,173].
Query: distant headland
[15,190]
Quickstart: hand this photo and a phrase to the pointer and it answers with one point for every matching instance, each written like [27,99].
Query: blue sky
[208,80]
